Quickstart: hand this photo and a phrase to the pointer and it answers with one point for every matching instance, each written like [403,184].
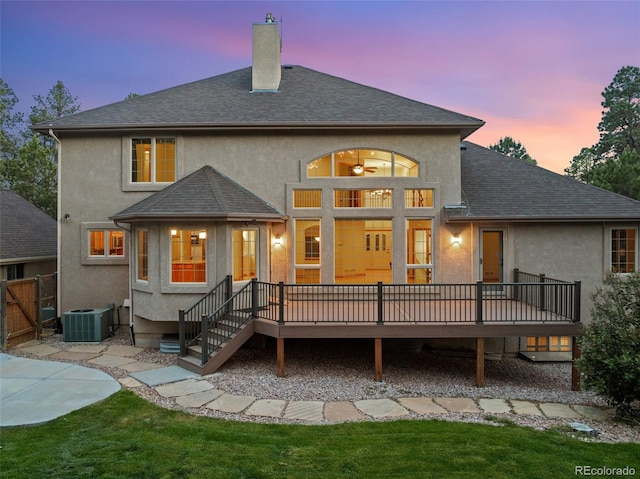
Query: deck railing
[548,294]
[539,299]
[530,298]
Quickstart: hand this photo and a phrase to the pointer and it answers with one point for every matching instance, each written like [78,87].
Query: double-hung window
[153,160]
[624,250]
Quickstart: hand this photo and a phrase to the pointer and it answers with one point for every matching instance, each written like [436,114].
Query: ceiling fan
[359,168]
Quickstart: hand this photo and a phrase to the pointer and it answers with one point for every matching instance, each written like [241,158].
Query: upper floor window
[422,198]
[153,160]
[379,198]
[363,163]
[624,249]
[307,198]
[106,243]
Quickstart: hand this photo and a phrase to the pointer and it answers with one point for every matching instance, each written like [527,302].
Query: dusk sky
[532,70]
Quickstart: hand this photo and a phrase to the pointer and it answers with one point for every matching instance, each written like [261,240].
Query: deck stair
[224,338]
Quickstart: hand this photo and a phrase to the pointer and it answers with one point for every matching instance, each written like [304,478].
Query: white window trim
[258,255]
[137,256]
[87,259]
[419,266]
[609,266]
[127,164]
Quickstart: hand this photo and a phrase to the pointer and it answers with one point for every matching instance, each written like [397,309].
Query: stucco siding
[571,252]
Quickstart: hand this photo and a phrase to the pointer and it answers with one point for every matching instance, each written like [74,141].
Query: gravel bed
[342,370]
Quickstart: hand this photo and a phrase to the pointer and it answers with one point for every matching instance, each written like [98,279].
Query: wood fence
[25,305]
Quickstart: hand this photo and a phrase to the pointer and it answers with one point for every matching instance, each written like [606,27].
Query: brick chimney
[266,56]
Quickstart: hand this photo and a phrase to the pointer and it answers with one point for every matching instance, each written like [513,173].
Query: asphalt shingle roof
[497,187]
[25,231]
[204,194]
[306,99]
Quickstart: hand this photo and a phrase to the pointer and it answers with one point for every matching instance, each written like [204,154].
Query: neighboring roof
[306,99]
[205,194]
[26,232]
[497,187]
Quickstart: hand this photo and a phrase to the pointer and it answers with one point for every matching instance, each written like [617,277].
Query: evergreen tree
[614,162]
[510,147]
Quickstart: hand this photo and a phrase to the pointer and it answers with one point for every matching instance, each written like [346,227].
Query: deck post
[575,355]
[378,358]
[479,302]
[480,362]
[577,298]
[281,303]
[229,293]
[542,296]
[380,309]
[516,279]
[204,338]
[254,297]
[280,356]
[182,334]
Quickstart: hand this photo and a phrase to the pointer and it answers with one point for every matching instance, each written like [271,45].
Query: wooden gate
[25,304]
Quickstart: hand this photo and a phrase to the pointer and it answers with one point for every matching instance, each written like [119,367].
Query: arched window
[363,162]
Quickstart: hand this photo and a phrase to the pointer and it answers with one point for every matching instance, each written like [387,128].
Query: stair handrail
[189,320]
[209,321]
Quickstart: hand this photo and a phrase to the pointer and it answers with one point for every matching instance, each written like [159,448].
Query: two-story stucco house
[361,214]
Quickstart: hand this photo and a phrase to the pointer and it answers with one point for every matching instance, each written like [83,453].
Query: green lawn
[127,437]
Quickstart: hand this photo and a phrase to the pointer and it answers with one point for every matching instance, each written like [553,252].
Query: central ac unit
[91,325]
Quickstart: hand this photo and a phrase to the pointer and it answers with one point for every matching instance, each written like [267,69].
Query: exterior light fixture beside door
[456,240]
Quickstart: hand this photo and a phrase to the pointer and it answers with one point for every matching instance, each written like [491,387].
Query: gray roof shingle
[26,232]
[306,99]
[205,194]
[497,187]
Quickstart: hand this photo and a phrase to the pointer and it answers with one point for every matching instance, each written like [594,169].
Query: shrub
[610,362]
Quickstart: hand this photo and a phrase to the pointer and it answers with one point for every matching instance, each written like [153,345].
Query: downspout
[58,229]
[128,303]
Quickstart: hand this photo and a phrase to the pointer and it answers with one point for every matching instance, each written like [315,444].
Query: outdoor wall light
[174,232]
[456,240]
[277,241]
[66,218]
[202,235]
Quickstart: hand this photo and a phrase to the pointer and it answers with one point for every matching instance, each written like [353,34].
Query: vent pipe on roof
[266,69]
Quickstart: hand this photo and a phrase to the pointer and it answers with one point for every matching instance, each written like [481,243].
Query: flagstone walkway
[189,390]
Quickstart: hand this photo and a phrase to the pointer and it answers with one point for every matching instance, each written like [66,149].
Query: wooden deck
[539,308]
